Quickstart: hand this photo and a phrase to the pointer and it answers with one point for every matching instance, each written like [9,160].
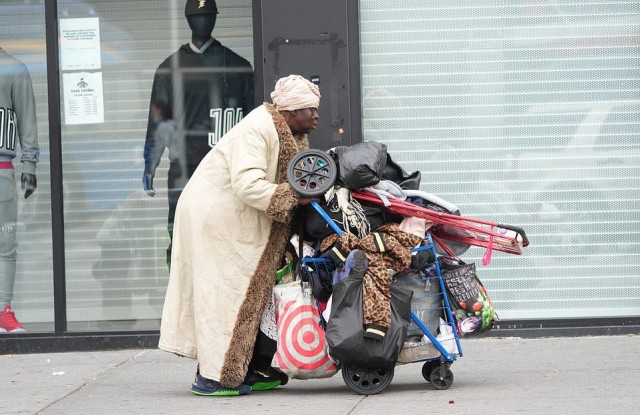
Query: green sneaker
[260,382]
[207,387]
[265,386]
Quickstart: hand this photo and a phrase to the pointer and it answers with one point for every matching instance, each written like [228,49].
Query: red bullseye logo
[302,338]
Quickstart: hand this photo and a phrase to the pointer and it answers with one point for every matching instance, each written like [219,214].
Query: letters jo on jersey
[222,122]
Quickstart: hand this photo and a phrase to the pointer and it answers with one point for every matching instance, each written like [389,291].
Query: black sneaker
[359,265]
[207,387]
[260,382]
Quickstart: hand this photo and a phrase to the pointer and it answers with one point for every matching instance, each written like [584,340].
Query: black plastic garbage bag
[395,173]
[360,165]
[345,329]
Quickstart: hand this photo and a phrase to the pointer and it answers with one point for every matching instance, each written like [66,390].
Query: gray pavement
[585,375]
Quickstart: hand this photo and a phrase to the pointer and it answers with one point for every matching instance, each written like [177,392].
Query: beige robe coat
[231,228]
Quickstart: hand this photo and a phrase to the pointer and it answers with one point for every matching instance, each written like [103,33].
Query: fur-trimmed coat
[231,228]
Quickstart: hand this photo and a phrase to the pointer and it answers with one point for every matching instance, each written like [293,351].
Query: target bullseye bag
[302,347]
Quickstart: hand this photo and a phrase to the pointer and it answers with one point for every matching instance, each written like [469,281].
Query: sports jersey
[17,113]
[209,91]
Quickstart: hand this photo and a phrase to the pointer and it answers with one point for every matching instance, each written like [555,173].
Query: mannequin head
[201,16]
[201,25]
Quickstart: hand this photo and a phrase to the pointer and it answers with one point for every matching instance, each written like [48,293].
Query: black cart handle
[518,230]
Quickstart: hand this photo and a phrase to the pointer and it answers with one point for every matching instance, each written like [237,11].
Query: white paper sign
[80,44]
[83,98]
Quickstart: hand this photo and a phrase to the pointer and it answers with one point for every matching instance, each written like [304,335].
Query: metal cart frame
[436,370]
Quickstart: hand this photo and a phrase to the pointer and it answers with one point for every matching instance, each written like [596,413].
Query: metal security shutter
[116,235]
[525,113]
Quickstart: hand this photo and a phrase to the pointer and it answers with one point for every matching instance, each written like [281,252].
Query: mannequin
[208,89]
[201,26]
[17,120]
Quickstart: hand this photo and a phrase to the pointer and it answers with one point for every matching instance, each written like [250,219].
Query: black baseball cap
[200,6]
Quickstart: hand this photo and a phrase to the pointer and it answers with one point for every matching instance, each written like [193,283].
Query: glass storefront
[528,113]
[29,275]
[520,112]
[116,234]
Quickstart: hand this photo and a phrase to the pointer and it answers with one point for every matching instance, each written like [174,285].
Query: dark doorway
[318,40]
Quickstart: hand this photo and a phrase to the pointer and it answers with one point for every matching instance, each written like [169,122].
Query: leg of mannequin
[8,273]
[8,244]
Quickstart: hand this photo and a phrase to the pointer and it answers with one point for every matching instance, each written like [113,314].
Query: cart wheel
[427,368]
[366,381]
[311,173]
[439,381]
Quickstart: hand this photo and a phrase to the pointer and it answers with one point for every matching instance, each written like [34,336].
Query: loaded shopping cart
[437,359]
[313,172]
[434,329]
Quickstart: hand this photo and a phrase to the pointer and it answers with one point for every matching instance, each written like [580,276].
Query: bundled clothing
[388,248]
[232,225]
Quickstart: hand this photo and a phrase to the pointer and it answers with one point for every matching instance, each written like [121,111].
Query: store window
[525,113]
[26,270]
[138,102]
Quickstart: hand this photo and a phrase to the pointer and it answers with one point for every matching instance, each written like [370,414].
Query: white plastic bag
[445,337]
[268,321]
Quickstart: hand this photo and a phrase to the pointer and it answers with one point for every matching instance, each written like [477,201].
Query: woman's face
[303,121]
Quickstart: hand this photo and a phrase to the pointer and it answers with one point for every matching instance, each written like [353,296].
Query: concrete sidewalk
[586,375]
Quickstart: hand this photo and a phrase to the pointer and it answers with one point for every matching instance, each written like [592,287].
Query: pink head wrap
[294,92]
